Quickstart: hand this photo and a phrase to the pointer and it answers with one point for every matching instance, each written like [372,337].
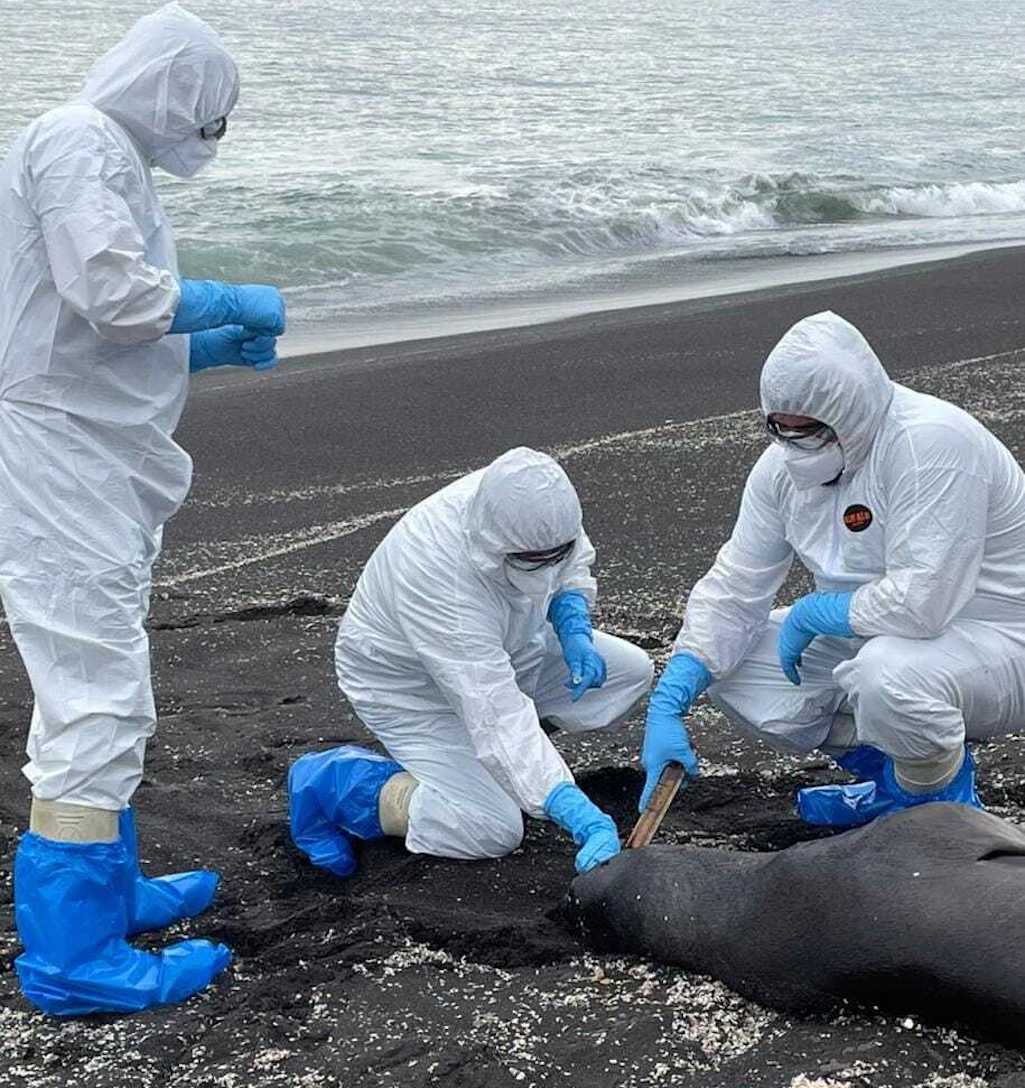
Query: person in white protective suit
[469,624]
[910,515]
[91,389]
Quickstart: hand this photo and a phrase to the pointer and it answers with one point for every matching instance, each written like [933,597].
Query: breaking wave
[368,242]
[946,201]
[800,201]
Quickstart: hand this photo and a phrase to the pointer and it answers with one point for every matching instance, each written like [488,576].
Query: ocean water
[405,166]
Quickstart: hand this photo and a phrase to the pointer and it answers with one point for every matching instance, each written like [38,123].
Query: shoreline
[737,279]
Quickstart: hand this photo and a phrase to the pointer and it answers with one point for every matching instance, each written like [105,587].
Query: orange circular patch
[857,518]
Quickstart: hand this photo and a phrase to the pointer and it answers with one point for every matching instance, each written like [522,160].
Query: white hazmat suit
[926,527]
[451,665]
[91,390]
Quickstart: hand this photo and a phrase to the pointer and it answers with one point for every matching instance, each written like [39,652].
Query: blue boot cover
[839,806]
[162,901]
[863,762]
[959,790]
[71,909]
[842,805]
[334,794]
[852,806]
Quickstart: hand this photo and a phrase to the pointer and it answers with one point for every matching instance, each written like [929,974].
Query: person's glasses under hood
[533,561]
[536,574]
[812,452]
[215,130]
[185,158]
[812,435]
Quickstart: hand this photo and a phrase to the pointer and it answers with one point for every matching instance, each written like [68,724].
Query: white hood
[524,502]
[824,368]
[167,77]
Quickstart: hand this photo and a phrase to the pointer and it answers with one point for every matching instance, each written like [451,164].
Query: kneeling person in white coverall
[911,517]
[470,623]
[91,389]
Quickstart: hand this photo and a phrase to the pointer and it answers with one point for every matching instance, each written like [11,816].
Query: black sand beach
[421,971]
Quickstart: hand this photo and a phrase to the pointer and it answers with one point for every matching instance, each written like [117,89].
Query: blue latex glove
[569,615]
[209,304]
[665,736]
[231,345]
[815,614]
[592,830]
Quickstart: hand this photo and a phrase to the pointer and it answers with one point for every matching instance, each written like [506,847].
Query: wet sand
[422,971]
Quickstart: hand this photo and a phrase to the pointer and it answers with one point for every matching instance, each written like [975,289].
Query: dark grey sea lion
[922,911]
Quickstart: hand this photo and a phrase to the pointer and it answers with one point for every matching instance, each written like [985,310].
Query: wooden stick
[672,778]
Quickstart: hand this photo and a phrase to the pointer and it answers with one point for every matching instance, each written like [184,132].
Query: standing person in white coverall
[910,515]
[471,622]
[91,389]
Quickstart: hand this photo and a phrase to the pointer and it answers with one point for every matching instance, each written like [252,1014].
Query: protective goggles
[530,561]
[215,130]
[809,436]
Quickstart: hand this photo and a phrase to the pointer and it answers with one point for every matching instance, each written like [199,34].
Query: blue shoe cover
[162,901]
[839,806]
[852,806]
[863,762]
[334,794]
[71,909]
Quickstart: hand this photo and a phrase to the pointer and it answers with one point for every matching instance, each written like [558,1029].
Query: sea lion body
[923,911]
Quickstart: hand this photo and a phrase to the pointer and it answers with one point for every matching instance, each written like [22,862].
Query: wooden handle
[671,779]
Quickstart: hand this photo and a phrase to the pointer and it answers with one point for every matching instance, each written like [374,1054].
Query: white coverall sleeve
[728,609]
[460,646]
[578,570]
[937,502]
[95,248]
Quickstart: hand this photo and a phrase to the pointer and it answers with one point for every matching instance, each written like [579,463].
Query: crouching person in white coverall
[470,623]
[91,389]
[910,515]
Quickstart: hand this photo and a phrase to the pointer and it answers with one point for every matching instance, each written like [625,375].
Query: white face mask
[813,468]
[187,157]
[538,585]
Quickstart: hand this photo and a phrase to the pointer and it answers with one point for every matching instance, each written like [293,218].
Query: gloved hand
[569,615]
[231,345]
[665,736]
[592,830]
[814,614]
[209,304]
[586,666]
